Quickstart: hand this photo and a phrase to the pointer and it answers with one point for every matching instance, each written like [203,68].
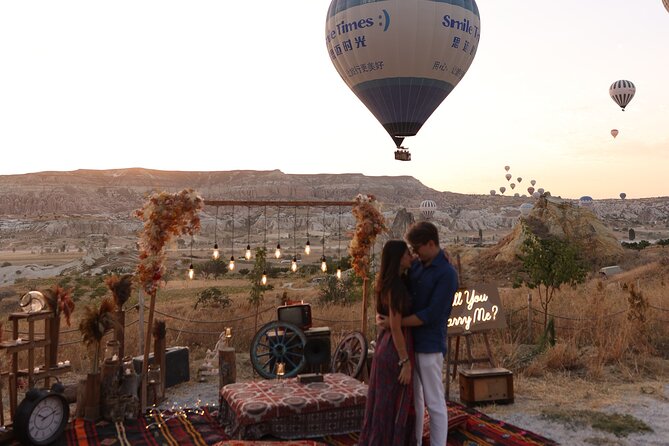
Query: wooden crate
[483,386]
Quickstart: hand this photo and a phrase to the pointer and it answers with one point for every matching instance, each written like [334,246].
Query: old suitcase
[483,386]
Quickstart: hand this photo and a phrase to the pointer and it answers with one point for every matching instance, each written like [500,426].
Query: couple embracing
[414,295]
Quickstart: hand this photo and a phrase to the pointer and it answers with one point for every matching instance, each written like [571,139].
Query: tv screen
[299,315]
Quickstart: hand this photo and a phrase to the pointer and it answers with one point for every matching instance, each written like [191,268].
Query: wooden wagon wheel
[350,355]
[278,342]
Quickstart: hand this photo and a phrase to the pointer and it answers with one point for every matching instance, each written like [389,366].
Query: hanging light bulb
[191,272]
[247,255]
[216,254]
[277,253]
[263,279]
[324,264]
[339,272]
[231,265]
[293,264]
[307,248]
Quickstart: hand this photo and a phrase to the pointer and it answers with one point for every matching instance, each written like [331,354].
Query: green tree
[549,263]
[212,295]
[257,293]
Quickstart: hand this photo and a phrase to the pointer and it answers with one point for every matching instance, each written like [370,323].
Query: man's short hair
[422,232]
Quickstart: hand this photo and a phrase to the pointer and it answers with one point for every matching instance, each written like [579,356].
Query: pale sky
[226,85]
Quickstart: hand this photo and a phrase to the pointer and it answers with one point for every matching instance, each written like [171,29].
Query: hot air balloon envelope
[585,201]
[533,182]
[623,195]
[530,190]
[614,133]
[427,208]
[493,192]
[507,168]
[536,194]
[507,176]
[502,189]
[666,4]
[513,185]
[622,92]
[402,58]
[525,208]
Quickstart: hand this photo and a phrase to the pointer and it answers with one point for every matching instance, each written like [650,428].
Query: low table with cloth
[288,409]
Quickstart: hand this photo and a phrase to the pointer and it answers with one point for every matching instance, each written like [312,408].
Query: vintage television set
[297,314]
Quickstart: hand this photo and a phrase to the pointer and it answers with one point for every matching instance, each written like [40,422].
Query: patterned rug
[467,427]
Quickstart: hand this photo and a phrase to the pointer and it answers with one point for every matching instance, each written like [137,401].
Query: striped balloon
[666,4]
[402,58]
[622,92]
[427,208]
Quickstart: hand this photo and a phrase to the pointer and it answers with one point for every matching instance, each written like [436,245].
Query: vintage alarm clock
[42,416]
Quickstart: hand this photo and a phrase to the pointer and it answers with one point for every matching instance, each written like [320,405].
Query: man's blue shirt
[432,289]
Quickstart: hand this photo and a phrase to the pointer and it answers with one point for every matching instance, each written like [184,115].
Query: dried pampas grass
[121,288]
[94,324]
[60,301]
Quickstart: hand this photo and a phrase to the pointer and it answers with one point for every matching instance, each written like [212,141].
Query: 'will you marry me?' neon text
[476,309]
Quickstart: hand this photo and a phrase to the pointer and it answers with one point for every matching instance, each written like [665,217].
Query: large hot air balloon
[666,4]
[508,177]
[614,133]
[623,195]
[507,168]
[427,208]
[493,192]
[530,190]
[622,92]
[519,179]
[525,208]
[502,189]
[533,182]
[402,58]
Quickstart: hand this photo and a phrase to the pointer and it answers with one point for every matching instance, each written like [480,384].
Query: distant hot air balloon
[525,208]
[427,208]
[530,190]
[516,195]
[623,195]
[614,133]
[508,177]
[536,194]
[513,185]
[493,192]
[519,179]
[507,168]
[585,201]
[622,92]
[502,189]
[533,182]
[402,58]
[540,190]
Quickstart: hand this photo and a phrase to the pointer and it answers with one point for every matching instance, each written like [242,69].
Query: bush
[5,264]
[336,291]
[244,271]
[213,296]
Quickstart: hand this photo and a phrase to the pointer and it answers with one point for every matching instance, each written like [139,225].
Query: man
[433,282]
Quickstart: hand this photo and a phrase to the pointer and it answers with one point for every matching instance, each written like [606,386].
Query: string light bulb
[277,253]
[263,279]
[324,264]
[307,248]
[339,272]
[191,272]
[293,264]
[247,255]
[231,265]
[216,254]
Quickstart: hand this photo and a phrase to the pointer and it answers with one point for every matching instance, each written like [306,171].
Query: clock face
[47,420]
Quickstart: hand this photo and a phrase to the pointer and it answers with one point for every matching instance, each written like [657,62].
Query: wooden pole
[364,307]
[529,318]
[147,347]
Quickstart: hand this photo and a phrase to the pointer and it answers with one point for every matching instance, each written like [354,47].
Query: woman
[389,413]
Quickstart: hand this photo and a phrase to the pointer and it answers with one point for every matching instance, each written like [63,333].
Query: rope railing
[225,321]
[580,319]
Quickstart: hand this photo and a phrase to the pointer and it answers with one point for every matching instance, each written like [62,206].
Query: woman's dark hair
[388,279]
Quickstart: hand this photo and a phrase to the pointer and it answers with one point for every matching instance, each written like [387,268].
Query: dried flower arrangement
[93,326]
[121,288]
[60,301]
[164,215]
[369,224]
[159,329]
